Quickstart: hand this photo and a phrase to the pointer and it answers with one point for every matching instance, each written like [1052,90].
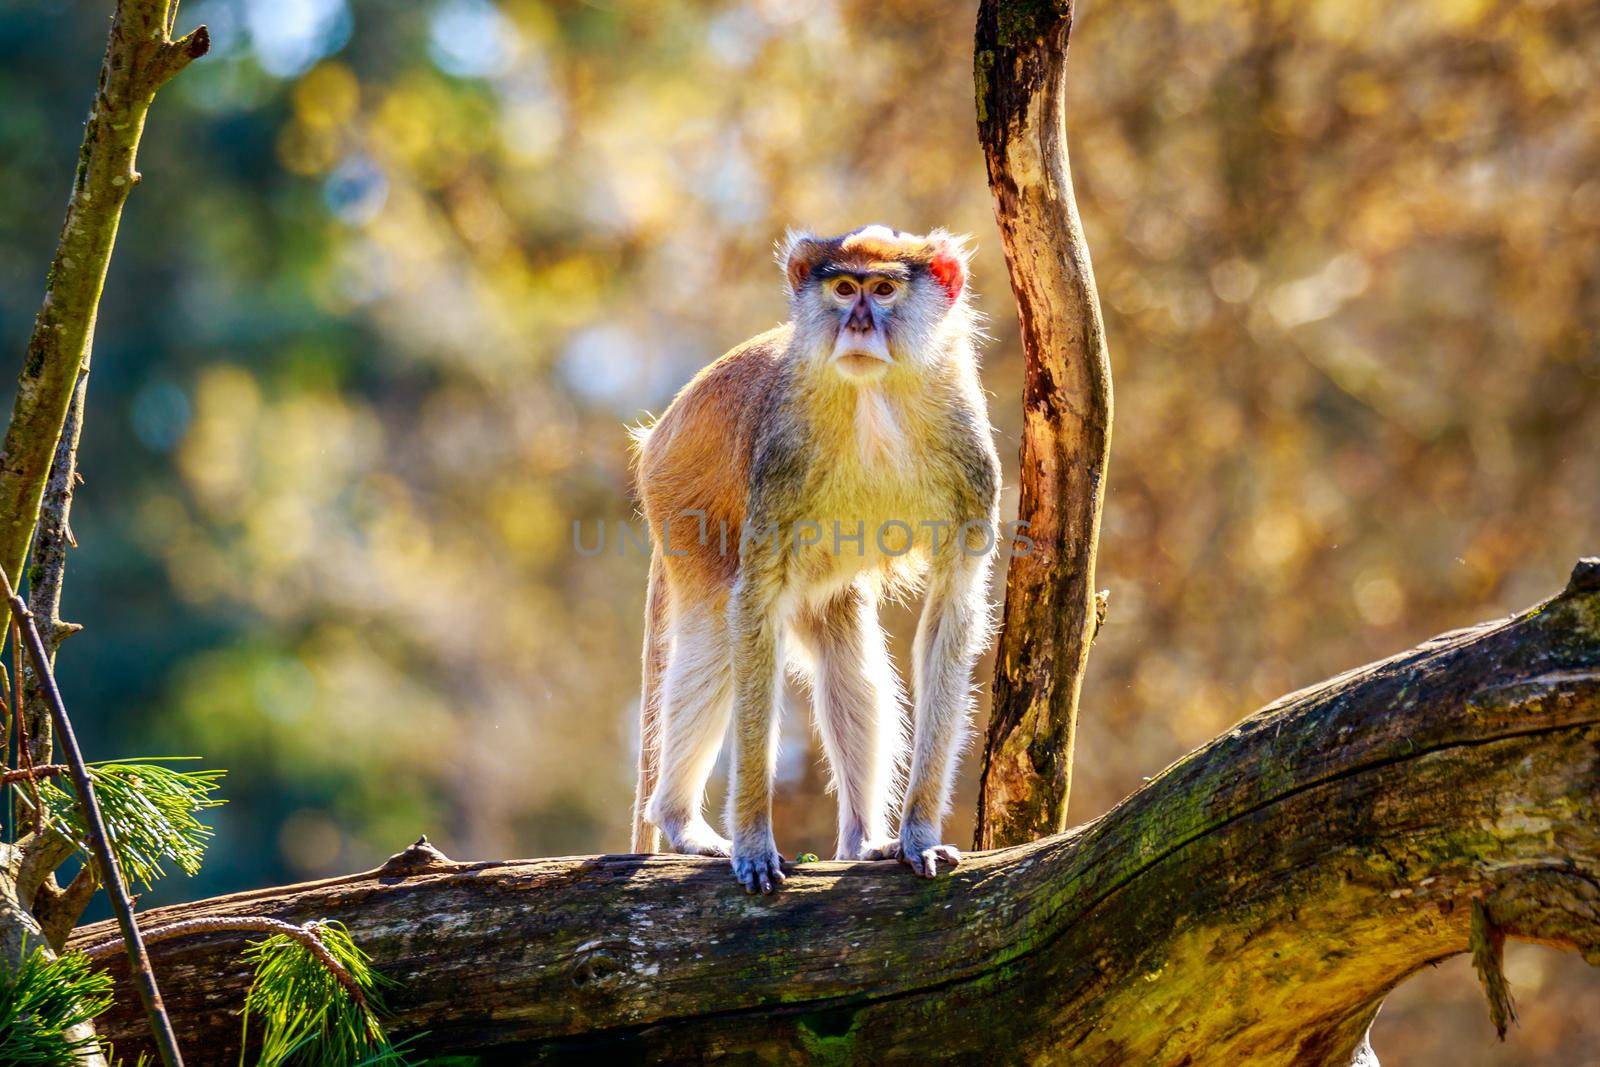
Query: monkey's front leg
[949,638]
[753,633]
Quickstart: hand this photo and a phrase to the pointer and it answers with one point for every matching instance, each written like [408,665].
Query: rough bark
[1020,71]
[1252,904]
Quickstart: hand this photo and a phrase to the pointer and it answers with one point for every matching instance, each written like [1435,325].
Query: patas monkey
[789,486]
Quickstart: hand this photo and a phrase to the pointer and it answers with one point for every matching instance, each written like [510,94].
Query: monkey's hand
[756,862]
[917,847]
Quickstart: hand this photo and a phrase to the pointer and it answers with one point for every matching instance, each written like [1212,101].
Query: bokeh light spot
[471,39]
[160,415]
[356,190]
[288,36]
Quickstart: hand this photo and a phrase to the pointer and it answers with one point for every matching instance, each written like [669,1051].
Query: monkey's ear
[948,263]
[798,254]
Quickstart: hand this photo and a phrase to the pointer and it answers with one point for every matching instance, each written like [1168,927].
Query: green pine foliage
[308,1019]
[150,810]
[41,1001]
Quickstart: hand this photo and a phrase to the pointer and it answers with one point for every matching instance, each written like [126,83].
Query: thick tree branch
[140,57]
[1050,608]
[1252,904]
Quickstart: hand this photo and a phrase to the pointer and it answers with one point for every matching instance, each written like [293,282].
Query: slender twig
[24,747]
[5,712]
[305,935]
[47,570]
[33,774]
[95,825]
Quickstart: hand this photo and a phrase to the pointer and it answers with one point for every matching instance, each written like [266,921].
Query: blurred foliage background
[400,272]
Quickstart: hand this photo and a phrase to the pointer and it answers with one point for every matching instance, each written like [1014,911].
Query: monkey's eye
[883,289]
[844,288]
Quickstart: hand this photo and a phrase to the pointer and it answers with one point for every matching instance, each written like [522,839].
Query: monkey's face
[864,306]
[876,298]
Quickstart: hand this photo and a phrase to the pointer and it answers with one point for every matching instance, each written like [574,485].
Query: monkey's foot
[757,865]
[861,847]
[697,838]
[919,853]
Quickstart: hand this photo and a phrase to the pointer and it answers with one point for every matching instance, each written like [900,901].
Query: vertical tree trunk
[1020,70]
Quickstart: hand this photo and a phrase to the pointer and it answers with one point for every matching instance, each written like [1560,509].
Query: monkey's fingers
[887,849]
[761,874]
[927,863]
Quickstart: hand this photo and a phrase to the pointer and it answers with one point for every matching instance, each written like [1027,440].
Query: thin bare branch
[47,573]
[33,774]
[95,827]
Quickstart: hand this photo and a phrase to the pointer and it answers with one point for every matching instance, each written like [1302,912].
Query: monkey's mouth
[861,364]
[861,357]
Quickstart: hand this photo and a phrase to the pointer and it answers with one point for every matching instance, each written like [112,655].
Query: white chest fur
[880,429]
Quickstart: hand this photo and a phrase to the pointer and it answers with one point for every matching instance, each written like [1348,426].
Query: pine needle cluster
[42,1001]
[308,1017]
[151,814]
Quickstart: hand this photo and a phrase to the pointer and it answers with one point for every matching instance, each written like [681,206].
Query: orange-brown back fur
[696,457]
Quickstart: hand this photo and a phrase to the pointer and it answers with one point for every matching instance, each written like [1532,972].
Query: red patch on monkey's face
[948,270]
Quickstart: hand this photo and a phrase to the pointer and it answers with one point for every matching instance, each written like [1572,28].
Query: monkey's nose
[860,317]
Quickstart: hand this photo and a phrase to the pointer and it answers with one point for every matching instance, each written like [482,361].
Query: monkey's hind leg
[696,699]
[953,629]
[856,697]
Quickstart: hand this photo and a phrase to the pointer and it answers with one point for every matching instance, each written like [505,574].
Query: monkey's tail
[645,836]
